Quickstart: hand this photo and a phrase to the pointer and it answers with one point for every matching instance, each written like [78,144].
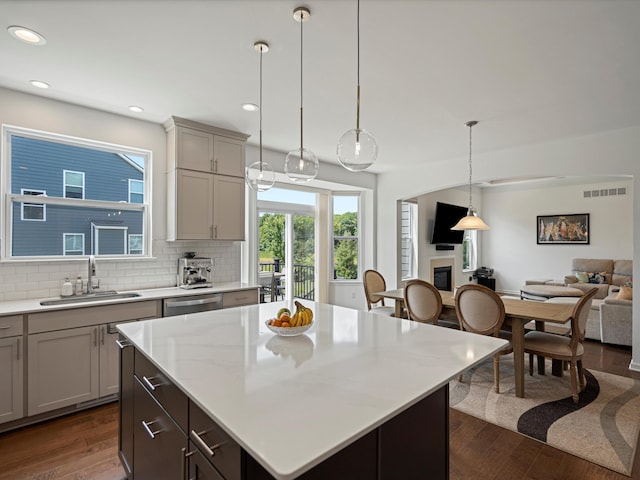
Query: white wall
[511,246]
[29,279]
[613,153]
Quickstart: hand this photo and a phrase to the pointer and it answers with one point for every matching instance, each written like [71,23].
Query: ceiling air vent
[604,192]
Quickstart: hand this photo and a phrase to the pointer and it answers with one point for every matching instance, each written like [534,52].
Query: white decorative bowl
[288,331]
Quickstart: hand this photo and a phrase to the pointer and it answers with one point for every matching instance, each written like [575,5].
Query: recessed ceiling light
[26,35]
[135,108]
[39,84]
[250,107]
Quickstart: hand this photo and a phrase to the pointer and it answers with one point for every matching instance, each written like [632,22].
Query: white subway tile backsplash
[26,280]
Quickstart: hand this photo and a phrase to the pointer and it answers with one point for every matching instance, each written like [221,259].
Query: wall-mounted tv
[447,216]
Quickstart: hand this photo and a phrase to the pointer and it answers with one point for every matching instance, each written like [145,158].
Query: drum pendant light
[260,175]
[301,164]
[472,221]
[357,149]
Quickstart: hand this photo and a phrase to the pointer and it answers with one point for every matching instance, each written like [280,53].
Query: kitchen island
[359,394]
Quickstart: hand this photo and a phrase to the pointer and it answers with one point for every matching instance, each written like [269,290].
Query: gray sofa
[610,319]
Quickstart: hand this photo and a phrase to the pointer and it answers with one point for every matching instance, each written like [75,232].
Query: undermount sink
[89,297]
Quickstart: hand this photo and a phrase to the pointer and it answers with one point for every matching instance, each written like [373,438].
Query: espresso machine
[195,272]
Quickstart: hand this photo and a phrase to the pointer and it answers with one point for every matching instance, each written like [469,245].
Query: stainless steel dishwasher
[191,304]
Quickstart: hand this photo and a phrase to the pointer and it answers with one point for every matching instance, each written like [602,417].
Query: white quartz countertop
[33,305]
[292,402]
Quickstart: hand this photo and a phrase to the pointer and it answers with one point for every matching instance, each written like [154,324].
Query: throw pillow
[583,277]
[625,293]
[591,277]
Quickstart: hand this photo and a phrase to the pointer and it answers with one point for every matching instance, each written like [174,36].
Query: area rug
[602,428]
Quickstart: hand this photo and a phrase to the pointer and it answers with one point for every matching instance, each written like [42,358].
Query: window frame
[472,251]
[65,184]
[43,193]
[357,237]
[8,199]
[134,181]
[64,243]
[134,235]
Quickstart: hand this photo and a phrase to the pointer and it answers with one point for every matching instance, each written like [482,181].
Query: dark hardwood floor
[84,445]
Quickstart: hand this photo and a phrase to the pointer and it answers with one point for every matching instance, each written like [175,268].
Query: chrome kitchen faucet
[92,272]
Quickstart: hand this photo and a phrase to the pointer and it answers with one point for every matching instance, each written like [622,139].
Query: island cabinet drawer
[216,446]
[239,298]
[166,393]
[10,326]
[88,316]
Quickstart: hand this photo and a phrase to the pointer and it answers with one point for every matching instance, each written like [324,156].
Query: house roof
[530,71]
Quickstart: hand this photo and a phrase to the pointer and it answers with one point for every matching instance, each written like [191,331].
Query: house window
[408,247]
[36,212]
[135,244]
[73,244]
[136,191]
[469,251]
[73,184]
[87,184]
[346,236]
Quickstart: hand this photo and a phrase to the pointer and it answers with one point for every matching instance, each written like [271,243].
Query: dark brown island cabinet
[165,435]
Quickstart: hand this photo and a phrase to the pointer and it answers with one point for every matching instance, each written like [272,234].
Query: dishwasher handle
[192,303]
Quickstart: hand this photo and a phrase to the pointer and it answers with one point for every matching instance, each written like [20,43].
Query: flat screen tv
[447,216]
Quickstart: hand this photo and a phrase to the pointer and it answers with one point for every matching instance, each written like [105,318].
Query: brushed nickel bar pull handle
[95,337]
[183,463]
[211,231]
[17,349]
[102,330]
[209,450]
[215,231]
[215,166]
[149,383]
[5,327]
[147,427]
[123,343]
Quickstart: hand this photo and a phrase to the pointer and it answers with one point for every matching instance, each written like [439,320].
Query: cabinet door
[194,205]
[200,468]
[228,208]
[157,440]
[125,425]
[109,362]
[229,156]
[194,149]
[11,364]
[63,368]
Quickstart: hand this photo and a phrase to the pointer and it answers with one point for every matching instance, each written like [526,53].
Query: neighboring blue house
[40,167]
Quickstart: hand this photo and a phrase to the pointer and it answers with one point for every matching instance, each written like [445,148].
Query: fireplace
[442,278]
[442,270]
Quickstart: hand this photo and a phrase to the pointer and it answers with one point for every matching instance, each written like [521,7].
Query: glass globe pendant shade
[299,167]
[260,177]
[357,150]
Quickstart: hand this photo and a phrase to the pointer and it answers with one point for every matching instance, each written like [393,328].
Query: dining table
[518,313]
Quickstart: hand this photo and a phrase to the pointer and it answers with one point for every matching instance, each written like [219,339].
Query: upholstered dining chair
[374,282]
[422,301]
[481,310]
[566,348]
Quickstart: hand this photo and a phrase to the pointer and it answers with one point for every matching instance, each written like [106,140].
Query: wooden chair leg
[574,382]
[496,373]
[460,378]
[581,377]
[531,364]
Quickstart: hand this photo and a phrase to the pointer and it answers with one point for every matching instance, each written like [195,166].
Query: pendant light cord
[358,75]
[470,128]
[261,52]
[301,120]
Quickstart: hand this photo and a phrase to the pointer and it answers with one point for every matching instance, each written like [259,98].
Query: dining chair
[566,348]
[374,282]
[481,310]
[268,286]
[422,301]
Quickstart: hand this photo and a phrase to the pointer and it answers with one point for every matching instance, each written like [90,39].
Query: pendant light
[357,149]
[472,221]
[301,164]
[260,175]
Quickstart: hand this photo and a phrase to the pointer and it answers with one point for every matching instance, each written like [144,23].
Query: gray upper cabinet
[205,181]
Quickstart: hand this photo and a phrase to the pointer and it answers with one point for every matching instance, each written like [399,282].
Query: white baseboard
[634,366]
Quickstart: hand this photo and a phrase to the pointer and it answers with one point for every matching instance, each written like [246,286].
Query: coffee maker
[195,272]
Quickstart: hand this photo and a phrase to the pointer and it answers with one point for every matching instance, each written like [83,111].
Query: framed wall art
[568,229]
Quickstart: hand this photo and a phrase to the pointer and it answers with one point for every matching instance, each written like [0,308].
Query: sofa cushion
[603,288]
[592,265]
[625,293]
[622,272]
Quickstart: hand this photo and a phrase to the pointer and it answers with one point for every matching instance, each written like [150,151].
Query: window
[73,184]
[33,211]
[408,247]
[80,184]
[346,239]
[135,244]
[136,191]
[73,244]
[469,251]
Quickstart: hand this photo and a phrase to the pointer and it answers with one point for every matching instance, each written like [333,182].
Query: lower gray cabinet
[158,442]
[199,467]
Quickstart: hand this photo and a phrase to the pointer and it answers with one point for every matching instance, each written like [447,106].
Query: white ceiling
[529,70]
